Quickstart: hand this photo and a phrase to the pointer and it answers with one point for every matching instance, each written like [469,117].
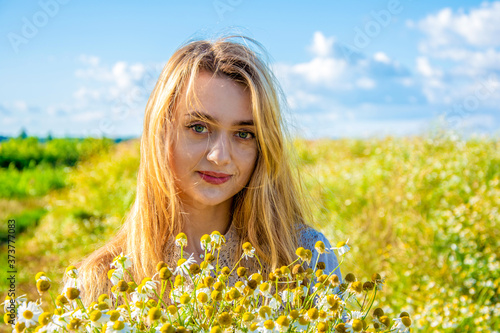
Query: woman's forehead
[216,98]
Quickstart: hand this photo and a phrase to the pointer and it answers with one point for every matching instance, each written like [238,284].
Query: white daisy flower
[97,319]
[217,239]
[401,325]
[356,315]
[147,287]
[72,272]
[248,250]
[28,313]
[181,240]
[118,327]
[342,247]
[121,262]
[183,265]
[206,243]
[115,275]
[354,325]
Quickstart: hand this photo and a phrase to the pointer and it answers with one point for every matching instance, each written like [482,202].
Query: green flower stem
[261,269]
[329,275]
[80,304]
[53,300]
[373,300]
[236,265]
[128,305]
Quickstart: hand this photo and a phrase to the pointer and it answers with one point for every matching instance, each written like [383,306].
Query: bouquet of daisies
[204,297]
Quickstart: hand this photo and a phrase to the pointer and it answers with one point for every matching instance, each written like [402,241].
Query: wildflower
[181,240]
[275,302]
[241,271]
[71,272]
[115,275]
[206,268]
[342,247]
[320,247]
[265,312]
[165,273]
[308,257]
[248,250]
[28,313]
[268,326]
[382,321]
[43,284]
[154,314]
[166,328]
[312,314]
[224,319]
[97,318]
[118,327]
[378,280]
[147,287]
[194,269]
[217,239]
[402,324]
[121,261]
[265,289]
[72,293]
[183,265]
[44,318]
[355,325]
[205,243]
[283,323]
[356,287]
[122,286]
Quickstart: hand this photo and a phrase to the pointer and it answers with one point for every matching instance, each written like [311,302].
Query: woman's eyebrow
[201,115]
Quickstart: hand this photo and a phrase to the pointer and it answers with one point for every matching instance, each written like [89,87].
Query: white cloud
[424,68]
[382,57]
[480,27]
[321,70]
[329,78]
[321,46]
[460,50]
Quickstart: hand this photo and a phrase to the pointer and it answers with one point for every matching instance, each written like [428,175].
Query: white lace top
[308,238]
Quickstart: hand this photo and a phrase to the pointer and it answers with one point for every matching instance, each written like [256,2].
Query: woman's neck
[204,220]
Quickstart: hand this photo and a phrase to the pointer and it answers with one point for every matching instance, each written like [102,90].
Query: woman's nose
[219,149]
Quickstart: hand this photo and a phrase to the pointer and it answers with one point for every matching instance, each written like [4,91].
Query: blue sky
[348,69]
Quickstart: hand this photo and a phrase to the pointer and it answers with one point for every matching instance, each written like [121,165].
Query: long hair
[267,212]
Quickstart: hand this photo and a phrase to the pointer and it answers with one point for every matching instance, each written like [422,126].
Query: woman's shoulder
[308,236]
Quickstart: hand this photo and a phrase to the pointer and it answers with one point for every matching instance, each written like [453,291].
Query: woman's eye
[198,128]
[245,135]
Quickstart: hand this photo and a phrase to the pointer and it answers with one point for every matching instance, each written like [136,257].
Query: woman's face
[212,163]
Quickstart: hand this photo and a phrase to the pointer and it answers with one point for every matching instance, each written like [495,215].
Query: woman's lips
[214,178]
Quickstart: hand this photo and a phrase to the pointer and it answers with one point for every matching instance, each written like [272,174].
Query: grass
[423,212]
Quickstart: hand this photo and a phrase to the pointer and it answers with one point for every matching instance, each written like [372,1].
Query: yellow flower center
[269,324]
[118,325]
[28,314]
[357,325]
[225,319]
[406,321]
[283,321]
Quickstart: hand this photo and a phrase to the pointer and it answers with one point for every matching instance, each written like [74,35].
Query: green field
[423,212]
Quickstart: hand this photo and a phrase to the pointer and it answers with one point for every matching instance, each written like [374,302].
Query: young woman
[214,157]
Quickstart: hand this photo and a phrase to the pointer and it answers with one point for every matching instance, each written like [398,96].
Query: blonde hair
[267,213]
